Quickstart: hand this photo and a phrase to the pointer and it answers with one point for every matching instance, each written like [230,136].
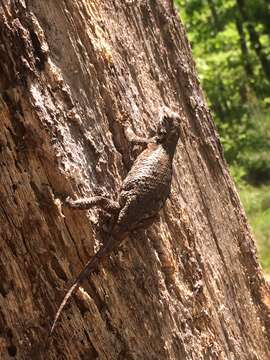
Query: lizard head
[168,129]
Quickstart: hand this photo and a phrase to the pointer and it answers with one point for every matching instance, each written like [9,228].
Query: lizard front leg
[135,139]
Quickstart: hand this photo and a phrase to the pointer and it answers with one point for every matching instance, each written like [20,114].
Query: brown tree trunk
[254,38]
[244,48]
[214,14]
[245,59]
[72,74]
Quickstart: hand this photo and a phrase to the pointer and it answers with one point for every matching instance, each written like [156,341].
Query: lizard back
[146,187]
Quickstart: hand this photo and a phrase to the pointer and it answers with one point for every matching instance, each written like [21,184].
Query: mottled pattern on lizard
[142,194]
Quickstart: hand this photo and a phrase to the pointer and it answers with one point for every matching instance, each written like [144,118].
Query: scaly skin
[143,193]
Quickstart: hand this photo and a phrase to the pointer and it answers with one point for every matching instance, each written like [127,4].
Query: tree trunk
[247,65]
[244,48]
[254,38]
[73,73]
[214,14]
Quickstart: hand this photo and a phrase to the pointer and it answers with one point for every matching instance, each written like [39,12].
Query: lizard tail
[89,268]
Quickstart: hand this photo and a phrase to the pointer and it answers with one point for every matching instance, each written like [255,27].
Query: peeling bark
[72,74]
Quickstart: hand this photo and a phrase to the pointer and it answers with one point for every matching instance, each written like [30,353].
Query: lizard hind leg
[106,204]
[108,210]
[105,223]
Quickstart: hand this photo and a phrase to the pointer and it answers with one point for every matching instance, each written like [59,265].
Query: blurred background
[231,46]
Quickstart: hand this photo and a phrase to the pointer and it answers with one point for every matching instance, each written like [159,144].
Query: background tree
[230,42]
[233,61]
[73,73]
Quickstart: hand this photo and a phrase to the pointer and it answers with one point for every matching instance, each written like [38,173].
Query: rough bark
[72,73]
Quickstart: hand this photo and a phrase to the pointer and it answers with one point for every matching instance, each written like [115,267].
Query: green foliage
[256,201]
[231,45]
[249,150]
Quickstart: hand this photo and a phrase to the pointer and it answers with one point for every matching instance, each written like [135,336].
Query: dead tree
[72,75]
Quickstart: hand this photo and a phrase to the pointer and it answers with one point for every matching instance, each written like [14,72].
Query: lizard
[143,193]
